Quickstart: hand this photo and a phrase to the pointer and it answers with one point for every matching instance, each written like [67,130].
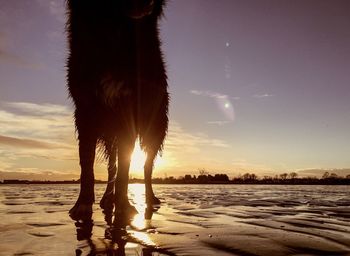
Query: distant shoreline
[217,179]
[181,182]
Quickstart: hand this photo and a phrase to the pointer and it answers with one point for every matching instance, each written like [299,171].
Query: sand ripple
[193,220]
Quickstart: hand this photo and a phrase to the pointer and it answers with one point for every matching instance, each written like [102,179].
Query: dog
[117,81]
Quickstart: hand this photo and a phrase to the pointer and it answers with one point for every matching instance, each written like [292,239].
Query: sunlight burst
[138,159]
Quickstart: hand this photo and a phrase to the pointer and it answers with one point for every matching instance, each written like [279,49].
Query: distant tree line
[205,178]
[292,178]
[251,178]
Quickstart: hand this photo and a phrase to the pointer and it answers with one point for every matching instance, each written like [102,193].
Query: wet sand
[193,220]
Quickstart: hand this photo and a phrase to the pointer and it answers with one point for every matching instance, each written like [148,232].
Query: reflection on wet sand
[120,232]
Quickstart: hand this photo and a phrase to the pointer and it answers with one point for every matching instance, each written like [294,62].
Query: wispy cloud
[211,94]
[8,57]
[27,143]
[220,123]
[265,95]
[38,174]
[11,58]
[243,166]
[318,172]
[34,109]
[45,128]
[186,150]
[55,7]
[179,139]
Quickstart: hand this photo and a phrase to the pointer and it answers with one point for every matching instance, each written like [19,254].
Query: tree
[253,176]
[188,177]
[249,176]
[333,176]
[293,175]
[202,178]
[246,176]
[203,171]
[283,176]
[221,177]
[325,175]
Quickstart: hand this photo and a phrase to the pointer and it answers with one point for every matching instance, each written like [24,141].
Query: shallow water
[192,220]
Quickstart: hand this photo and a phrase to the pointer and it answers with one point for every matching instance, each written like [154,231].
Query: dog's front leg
[87,146]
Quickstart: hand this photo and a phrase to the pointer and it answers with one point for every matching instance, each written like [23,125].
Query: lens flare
[226,107]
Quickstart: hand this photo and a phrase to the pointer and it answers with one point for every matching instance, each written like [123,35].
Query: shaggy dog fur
[117,81]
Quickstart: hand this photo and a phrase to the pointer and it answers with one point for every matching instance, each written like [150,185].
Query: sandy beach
[193,220]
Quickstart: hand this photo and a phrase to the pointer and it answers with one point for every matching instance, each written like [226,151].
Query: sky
[257,86]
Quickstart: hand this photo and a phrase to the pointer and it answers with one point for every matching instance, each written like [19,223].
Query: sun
[138,159]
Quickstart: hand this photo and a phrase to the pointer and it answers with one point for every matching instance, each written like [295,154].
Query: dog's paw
[152,200]
[107,202]
[81,211]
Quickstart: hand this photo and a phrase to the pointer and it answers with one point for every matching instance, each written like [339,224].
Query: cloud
[180,140]
[318,172]
[36,121]
[220,123]
[27,143]
[55,7]
[56,10]
[241,166]
[37,174]
[45,109]
[265,95]
[42,137]
[55,35]
[5,54]
[37,141]
[11,58]
[184,150]
[211,94]
[3,42]
[45,128]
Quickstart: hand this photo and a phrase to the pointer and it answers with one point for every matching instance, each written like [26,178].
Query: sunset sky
[256,86]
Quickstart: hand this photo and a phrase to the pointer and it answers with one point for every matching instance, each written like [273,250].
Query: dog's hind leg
[106,202]
[151,199]
[154,126]
[123,209]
